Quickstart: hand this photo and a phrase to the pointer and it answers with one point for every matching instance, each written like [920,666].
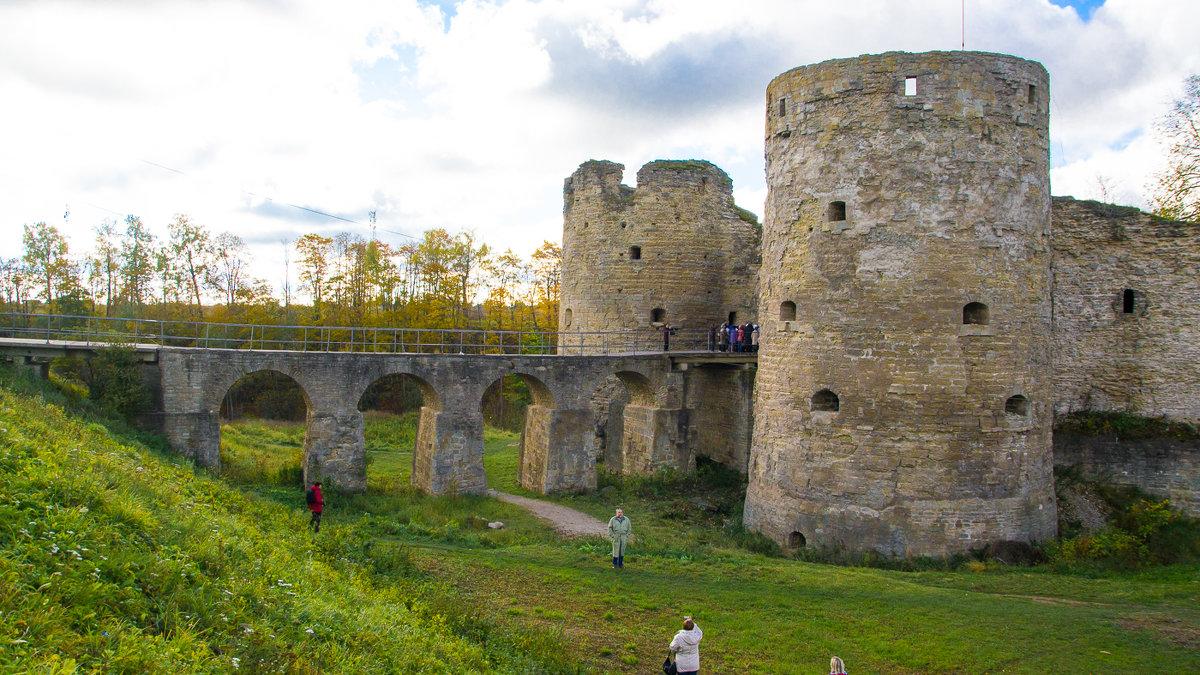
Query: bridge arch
[392,395]
[265,394]
[538,457]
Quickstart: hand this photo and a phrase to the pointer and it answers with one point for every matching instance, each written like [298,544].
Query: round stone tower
[903,398]
[674,250]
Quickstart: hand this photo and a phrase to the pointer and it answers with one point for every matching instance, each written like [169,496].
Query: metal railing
[107,330]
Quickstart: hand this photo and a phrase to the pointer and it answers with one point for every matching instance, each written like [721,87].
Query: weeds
[1124,425]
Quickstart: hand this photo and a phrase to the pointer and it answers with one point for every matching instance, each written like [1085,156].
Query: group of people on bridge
[733,337]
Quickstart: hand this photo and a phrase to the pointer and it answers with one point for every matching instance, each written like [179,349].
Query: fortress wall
[675,244]
[1163,467]
[1139,353]
[721,400]
[884,419]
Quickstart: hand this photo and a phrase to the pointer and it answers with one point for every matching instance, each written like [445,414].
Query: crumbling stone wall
[903,397]
[676,244]
[1162,467]
[1126,311]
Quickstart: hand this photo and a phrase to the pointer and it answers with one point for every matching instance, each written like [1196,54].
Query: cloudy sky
[274,118]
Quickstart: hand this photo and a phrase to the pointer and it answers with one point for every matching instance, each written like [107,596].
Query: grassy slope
[773,615]
[158,570]
[115,559]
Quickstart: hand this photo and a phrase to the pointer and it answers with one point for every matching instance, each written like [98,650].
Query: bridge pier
[558,450]
[655,439]
[334,449]
[448,457]
[196,435]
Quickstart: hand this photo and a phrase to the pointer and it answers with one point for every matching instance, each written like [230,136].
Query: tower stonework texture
[903,397]
[674,250]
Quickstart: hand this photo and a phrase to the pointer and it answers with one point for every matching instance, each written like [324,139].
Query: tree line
[438,281]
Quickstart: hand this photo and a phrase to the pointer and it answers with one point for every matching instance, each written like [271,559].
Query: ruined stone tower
[903,398]
[675,250]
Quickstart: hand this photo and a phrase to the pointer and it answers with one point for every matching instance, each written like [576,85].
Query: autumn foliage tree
[1176,193]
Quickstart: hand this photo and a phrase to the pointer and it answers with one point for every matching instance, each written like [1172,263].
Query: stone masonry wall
[903,395]
[721,401]
[1164,468]
[1140,353]
[675,244]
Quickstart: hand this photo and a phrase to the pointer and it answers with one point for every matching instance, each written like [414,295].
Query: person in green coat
[618,531]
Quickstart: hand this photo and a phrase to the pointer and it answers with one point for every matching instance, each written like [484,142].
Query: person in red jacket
[316,503]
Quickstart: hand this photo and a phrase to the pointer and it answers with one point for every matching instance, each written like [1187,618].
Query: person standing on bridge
[618,531]
[316,504]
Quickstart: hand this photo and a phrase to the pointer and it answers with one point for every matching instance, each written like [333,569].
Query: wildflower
[308,630]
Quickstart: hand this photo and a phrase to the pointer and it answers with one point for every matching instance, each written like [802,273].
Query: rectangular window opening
[782,107]
[635,252]
[910,86]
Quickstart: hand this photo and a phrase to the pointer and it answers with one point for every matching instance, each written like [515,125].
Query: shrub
[1142,533]
[115,381]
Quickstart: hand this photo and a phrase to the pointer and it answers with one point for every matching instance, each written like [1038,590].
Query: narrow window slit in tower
[782,107]
[635,252]
[837,211]
[1128,297]
[1032,94]
[910,86]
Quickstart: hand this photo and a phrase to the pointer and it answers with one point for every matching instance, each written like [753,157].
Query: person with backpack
[316,503]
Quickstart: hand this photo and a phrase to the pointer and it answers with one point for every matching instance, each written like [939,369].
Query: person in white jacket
[686,647]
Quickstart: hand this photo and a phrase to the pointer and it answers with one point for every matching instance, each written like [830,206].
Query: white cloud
[472,119]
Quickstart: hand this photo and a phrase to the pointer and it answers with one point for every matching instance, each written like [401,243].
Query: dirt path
[566,521]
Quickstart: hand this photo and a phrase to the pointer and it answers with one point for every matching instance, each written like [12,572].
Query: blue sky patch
[1124,141]
[1085,8]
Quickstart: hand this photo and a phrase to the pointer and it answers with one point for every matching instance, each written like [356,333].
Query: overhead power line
[294,206]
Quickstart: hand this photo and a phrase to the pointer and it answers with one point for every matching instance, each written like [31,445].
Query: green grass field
[116,556]
[769,614]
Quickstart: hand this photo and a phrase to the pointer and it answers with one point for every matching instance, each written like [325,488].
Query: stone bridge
[680,405]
